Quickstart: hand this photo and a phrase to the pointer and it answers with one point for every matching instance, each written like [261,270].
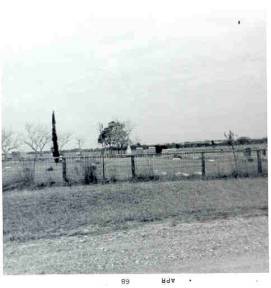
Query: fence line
[103,169]
[143,154]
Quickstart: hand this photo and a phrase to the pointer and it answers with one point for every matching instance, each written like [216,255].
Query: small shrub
[90,174]
[113,179]
[41,185]
[173,222]
[234,174]
[147,177]
[27,176]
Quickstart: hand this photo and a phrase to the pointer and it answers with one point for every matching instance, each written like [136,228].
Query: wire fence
[108,169]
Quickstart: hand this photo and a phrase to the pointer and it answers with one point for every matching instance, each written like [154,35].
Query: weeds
[90,175]
[57,211]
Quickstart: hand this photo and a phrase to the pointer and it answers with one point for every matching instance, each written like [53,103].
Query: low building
[151,150]
[139,151]
[170,151]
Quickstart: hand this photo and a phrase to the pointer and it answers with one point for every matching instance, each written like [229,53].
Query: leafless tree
[231,138]
[80,142]
[37,137]
[63,139]
[129,126]
[10,141]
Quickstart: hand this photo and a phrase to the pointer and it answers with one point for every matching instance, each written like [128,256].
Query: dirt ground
[237,244]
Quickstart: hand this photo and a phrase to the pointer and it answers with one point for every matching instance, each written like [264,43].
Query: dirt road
[238,244]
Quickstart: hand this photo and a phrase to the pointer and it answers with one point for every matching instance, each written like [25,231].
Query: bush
[146,178]
[27,176]
[90,175]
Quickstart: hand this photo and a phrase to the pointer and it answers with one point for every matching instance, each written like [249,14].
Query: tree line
[37,137]
[115,136]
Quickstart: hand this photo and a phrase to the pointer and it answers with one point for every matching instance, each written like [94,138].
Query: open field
[102,228]
[45,172]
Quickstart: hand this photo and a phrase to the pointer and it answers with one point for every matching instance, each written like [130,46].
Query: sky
[176,73]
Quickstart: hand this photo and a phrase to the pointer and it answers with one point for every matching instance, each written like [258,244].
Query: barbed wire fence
[143,167]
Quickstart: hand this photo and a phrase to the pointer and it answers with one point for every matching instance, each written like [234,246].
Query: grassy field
[189,226]
[53,212]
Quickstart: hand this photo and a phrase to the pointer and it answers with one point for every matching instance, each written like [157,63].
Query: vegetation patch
[58,211]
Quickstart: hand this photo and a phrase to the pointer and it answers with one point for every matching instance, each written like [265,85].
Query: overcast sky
[175,72]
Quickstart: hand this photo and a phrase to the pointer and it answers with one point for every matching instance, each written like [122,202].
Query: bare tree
[129,126]
[10,141]
[37,137]
[64,139]
[231,138]
[80,142]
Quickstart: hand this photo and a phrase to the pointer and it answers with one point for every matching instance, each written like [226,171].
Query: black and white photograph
[134,138]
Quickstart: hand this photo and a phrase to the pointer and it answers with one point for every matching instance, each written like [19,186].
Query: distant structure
[139,151]
[169,150]
[151,150]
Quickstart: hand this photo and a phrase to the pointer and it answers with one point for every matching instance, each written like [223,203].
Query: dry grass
[59,211]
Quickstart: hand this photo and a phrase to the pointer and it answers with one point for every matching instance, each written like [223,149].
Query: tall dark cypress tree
[54,139]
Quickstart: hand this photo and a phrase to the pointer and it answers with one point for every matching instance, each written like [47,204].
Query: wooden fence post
[203,170]
[259,161]
[64,170]
[103,168]
[133,166]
